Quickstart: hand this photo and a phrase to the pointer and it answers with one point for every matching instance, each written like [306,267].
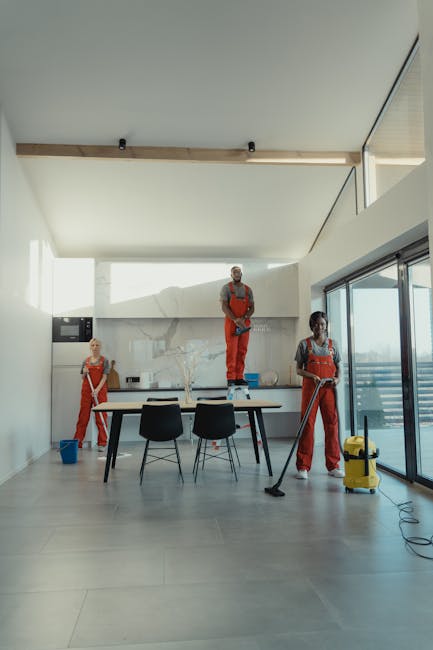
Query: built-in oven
[72,329]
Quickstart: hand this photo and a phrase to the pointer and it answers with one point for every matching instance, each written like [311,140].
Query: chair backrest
[161,422]
[214,421]
[162,399]
[208,399]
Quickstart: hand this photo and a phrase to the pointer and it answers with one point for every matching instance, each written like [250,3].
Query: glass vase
[187,397]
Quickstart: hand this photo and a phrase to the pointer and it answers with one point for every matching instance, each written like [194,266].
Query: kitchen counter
[197,389]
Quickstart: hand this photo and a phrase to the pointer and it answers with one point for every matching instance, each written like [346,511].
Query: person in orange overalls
[237,303]
[97,368]
[317,357]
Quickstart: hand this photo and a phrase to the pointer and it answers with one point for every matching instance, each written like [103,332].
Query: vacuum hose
[274,490]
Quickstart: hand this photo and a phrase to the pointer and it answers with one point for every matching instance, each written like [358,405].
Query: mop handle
[95,400]
[89,379]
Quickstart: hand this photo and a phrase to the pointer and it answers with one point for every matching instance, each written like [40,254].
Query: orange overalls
[322,366]
[237,346]
[96,372]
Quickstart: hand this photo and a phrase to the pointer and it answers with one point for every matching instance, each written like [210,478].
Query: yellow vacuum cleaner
[360,455]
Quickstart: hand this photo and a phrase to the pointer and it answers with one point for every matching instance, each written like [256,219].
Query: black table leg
[116,440]
[264,439]
[254,434]
[113,442]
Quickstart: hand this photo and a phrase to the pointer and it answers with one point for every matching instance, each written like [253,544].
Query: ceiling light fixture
[299,161]
[251,146]
[122,144]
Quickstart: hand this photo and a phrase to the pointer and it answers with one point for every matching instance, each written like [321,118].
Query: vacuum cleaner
[275,489]
[360,455]
[241,330]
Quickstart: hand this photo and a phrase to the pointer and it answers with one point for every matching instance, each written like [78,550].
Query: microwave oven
[72,329]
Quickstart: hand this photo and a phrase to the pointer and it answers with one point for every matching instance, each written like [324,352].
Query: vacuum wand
[274,490]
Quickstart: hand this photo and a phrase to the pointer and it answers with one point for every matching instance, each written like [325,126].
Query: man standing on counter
[237,303]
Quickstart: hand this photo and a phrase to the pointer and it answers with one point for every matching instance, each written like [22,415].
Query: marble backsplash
[159,350]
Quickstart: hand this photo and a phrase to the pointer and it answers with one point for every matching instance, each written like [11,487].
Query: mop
[274,490]
[96,402]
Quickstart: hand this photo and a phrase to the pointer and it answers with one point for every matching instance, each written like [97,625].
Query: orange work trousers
[325,400]
[236,350]
[86,408]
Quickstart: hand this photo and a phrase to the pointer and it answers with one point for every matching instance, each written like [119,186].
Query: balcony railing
[378,393]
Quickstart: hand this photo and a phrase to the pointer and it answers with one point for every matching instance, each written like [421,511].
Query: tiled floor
[215,566]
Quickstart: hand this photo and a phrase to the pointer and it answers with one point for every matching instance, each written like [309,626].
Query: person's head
[236,273]
[318,323]
[95,346]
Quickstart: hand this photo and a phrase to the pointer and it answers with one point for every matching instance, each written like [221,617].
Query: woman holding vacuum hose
[317,357]
[96,368]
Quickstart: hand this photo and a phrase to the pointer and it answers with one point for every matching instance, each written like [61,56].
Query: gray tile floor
[215,566]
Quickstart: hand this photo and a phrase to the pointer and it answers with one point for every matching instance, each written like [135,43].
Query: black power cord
[406,516]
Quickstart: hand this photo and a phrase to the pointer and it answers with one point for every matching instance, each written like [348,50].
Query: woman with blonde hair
[95,367]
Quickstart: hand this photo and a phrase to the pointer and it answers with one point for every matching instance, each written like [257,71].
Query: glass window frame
[365,159]
[403,257]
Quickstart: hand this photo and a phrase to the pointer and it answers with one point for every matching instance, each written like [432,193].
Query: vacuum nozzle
[274,491]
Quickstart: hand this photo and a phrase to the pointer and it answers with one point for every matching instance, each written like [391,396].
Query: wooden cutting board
[113,378]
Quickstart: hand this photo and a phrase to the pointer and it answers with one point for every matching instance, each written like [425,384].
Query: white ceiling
[288,74]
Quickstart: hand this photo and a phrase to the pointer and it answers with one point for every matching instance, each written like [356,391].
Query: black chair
[223,398]
[160,423]
[213,422]
[209,399]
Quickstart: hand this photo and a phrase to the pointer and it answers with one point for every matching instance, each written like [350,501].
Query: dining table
[253,407]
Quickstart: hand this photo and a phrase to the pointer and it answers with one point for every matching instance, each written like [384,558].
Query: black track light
[251,146]
[122,144]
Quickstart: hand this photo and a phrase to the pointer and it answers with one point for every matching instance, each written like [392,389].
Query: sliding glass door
[383,320]
[377,363]
[422,358]
[337,314]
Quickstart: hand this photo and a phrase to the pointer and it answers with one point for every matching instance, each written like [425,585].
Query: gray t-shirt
[301,356]
[106,365]
[239,291]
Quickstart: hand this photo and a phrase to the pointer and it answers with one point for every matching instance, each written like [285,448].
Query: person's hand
[316,379]
[336,380]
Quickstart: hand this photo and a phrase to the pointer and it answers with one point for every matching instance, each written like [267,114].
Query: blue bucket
[69,451]
[252,379]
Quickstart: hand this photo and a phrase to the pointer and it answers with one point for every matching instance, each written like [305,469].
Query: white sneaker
[101,448]
[336,473]
[302,474]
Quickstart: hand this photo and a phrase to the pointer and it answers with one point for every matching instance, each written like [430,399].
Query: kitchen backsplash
[161,352]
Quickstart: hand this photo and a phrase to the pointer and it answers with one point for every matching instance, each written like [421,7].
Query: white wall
[162,289]
[25,316]
[396,219]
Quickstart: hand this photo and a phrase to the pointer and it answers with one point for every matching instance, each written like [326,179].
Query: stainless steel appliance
[72,329]
[66,391]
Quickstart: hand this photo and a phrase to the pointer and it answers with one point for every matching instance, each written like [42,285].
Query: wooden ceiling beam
[191,155]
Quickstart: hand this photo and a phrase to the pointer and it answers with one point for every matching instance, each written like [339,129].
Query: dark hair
[315,317]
